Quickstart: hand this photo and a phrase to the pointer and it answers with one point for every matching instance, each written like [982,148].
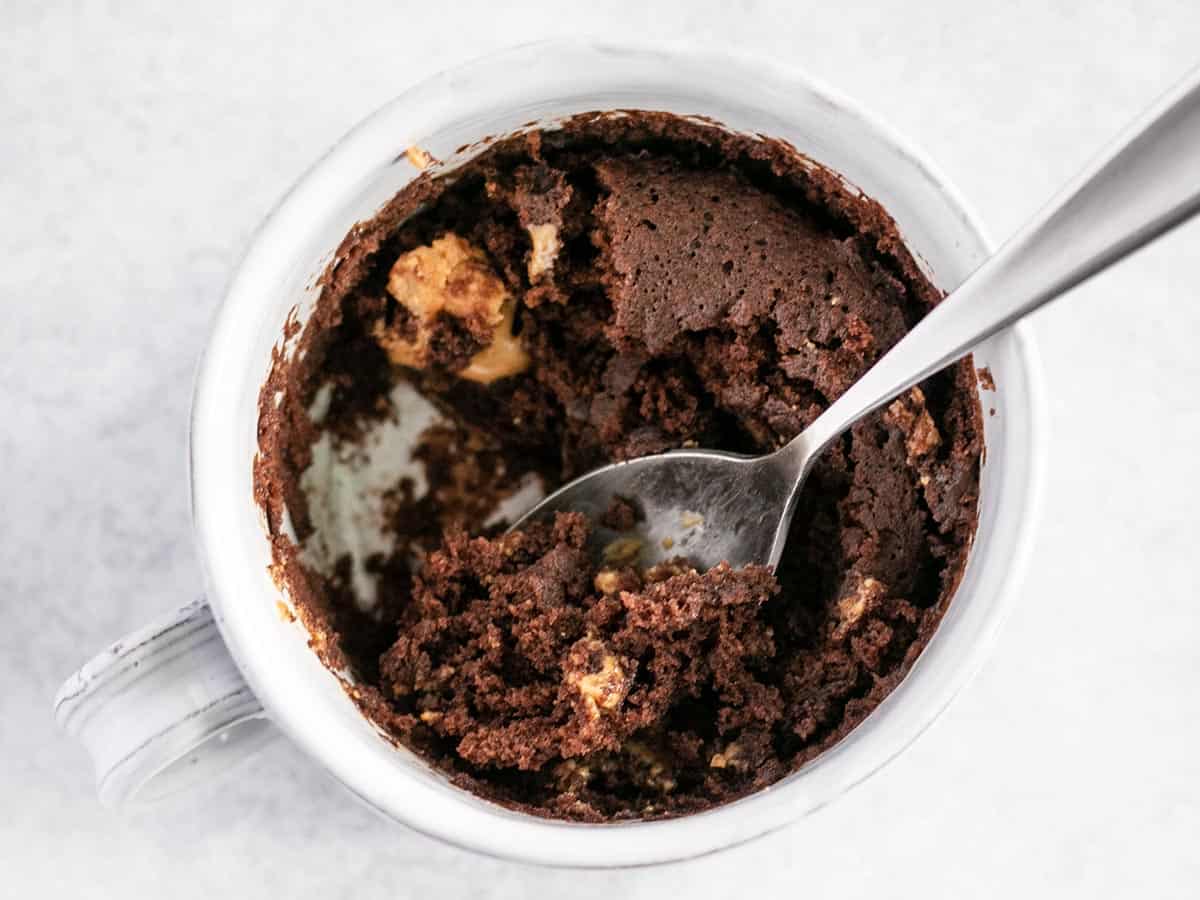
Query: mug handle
[163,709]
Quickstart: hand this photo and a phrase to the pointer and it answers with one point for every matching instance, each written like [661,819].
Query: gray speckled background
[142,143]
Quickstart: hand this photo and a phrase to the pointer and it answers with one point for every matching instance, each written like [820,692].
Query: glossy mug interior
[187,696]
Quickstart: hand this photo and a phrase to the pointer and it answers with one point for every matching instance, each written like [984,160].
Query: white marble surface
[141,144]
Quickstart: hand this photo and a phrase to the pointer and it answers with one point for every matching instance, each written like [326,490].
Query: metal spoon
[712,506]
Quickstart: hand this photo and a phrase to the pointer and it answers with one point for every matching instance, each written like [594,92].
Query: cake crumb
[604,688]
[419,157]
[624,551]
[544,252]
[726,758]
[909,413]
[860,601]
[622,514]
[607,581]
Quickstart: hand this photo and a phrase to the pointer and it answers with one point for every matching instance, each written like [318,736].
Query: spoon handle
[1144,184]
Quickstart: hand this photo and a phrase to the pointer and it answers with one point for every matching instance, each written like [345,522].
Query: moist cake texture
[622,285]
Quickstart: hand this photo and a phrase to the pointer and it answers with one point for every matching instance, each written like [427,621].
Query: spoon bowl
[705,505]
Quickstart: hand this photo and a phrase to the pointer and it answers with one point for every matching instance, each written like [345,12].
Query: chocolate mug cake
[620,285]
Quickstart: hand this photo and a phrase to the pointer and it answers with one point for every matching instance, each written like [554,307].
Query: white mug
[188,696]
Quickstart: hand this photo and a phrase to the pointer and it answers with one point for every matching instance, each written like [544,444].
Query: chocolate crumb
[621,515]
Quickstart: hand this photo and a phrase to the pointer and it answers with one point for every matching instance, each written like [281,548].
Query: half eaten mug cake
[619,285]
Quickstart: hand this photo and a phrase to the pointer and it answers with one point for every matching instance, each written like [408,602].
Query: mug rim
[336,168]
